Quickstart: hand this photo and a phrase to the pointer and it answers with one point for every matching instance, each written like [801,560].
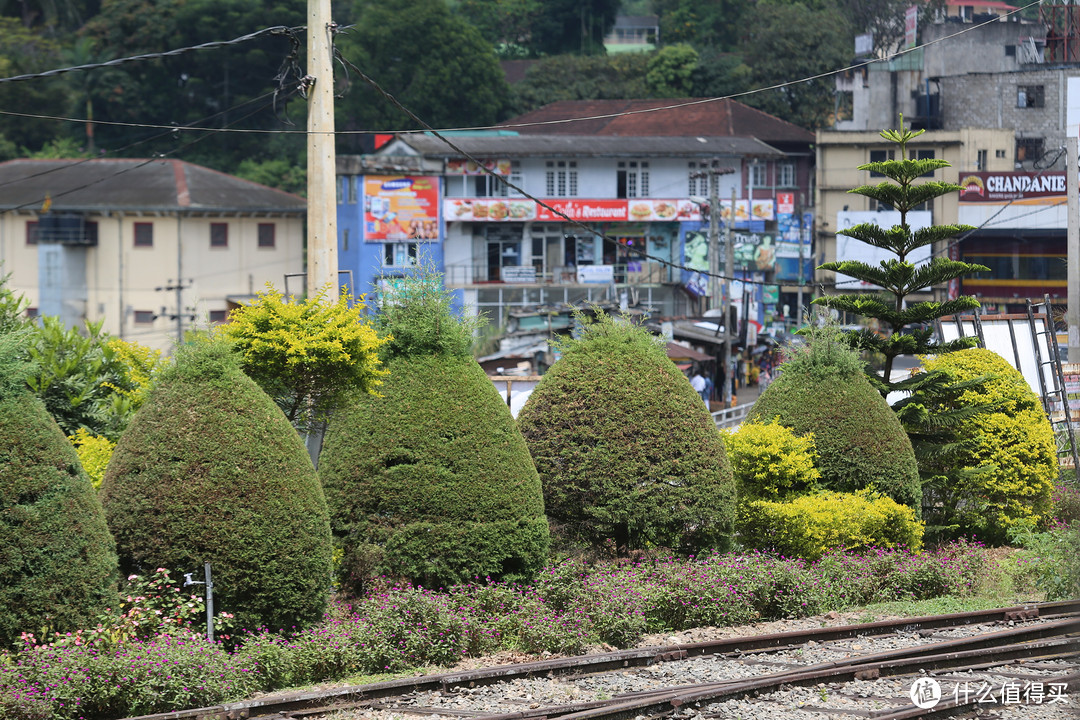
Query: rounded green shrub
[626,450]
[58,567]
[859,440]
[1014,443]
[211,471]
[813,525]
[770,461]
[430,479]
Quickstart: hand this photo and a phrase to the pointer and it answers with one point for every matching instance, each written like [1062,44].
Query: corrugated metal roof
[590,146]
[685,117]
[136,186]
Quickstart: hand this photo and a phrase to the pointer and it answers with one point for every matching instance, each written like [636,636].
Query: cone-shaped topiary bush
[430,480]
[57,558]
[211,471]
[626,450]
[1013,443]
[822,389]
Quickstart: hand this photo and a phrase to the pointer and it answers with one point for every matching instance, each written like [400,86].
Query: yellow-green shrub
[770,461]
[1015,441]
[812,525]
[94,453]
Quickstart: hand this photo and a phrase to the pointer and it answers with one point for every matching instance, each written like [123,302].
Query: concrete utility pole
[729,270]
[322,270]
[1072,187]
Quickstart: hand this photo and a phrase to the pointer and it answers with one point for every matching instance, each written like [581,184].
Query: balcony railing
[633,273]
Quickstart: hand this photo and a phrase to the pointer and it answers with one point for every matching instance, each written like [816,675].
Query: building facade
[994,102]
[531,217]
[148,247]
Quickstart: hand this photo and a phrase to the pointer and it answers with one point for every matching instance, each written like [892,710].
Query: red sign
[785,202]
[996,187]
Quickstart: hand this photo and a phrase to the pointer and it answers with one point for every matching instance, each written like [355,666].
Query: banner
[398,207]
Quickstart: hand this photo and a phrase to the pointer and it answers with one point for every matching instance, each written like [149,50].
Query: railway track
[851,671]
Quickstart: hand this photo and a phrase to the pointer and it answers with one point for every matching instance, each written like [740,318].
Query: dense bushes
[430,480]
[813,525]
[57,559]
[625,448]
[1014,442]
[859,440]
[770,461]
[210,470]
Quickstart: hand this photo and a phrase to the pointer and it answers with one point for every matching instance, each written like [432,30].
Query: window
[980,160]
[345,239]
[144,234]
[267,232]
[31,312]
[144,317]
[632,179]
[219,235]
[1010,51]
[353,182]
[922,155]
[845,105]
[999,153]
[561,178]
[219,316]
[759,175]
[1028,149]
[1029,96]
[698,179]
[399,254]
[785,174]
[341,183]
[488,185]
[90,235]
[877,156]
[31,232]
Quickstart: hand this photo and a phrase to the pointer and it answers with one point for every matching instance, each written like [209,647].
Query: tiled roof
[687,117]
[136,185]
[588,146]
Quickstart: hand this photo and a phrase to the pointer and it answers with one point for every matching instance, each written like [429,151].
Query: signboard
[785,203]
[756,251]
[518,274]
[911,26]
[596,274]
[864,44]
[603,210]
[470,167]
[399,207]
[848,248]
[996,187]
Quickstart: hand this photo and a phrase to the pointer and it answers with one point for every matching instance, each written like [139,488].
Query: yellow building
[839,154]
[149,247]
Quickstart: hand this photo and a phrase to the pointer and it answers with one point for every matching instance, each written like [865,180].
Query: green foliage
[671,70]
[1014,443]
[309,356]
[12,307]
[576,77]
[57,559]
[210,471]
[418,319]
[825,352]
[626,451]
[94,452]
[792,40]
[455,82]
[899,278]
[811,526]
[88,379]
[277,173]
[1053,558]
[60,148]
[430,480]
[770,461]
[859,440]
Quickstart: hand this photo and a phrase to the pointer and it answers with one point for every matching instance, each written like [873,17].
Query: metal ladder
[1063,419]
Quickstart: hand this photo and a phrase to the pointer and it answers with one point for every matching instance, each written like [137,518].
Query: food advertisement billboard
[401,207]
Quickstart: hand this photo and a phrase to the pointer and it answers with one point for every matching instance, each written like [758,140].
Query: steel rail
[361,694]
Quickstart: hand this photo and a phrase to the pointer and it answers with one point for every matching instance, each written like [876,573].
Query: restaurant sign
[994,187]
